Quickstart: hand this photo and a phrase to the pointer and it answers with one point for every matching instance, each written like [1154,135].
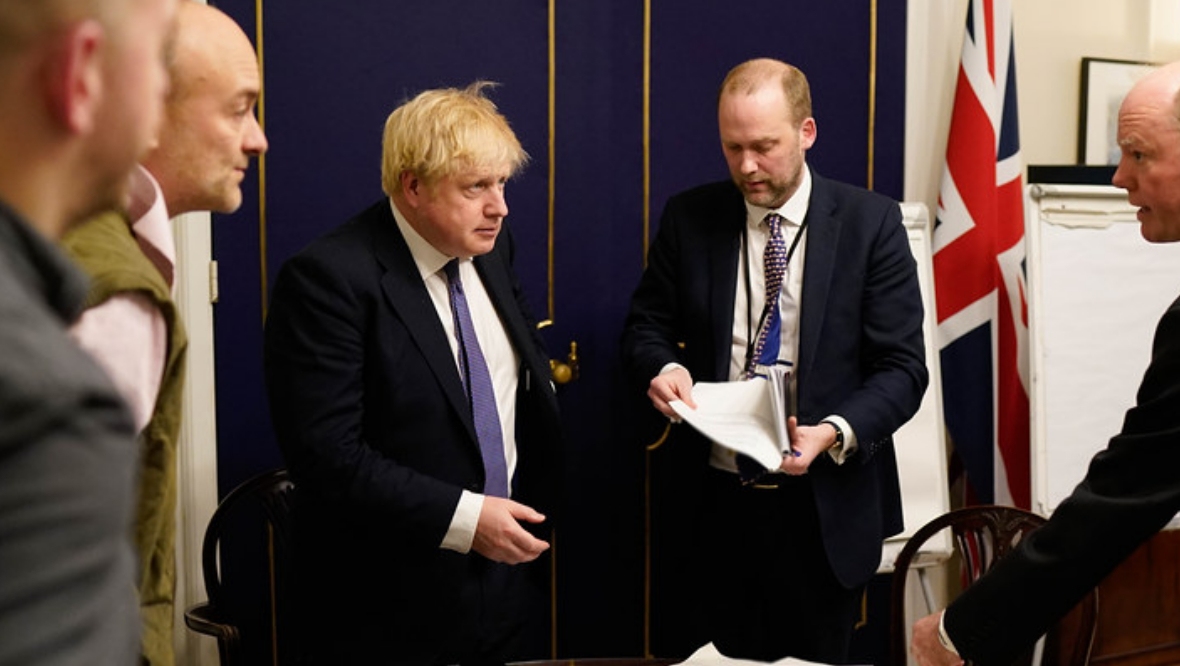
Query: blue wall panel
[333,72]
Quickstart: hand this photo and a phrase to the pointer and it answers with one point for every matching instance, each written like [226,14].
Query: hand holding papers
[748,417]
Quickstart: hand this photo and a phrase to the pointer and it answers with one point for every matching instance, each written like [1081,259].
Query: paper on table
[709,655]
[741,416]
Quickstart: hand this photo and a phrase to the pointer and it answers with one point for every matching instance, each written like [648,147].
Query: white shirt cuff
[841,452]
[942,635]
[461,532]
[671,366]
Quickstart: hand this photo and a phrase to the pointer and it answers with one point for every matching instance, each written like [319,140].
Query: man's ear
[807,133]
[412,187]
[74,77]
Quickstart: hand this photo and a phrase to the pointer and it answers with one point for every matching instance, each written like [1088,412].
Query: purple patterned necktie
[774,263]
[477,381]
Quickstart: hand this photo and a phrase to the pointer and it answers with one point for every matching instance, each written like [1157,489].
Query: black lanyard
[749,289]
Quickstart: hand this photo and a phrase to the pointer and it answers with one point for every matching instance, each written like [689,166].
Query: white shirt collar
[149,219]
[428,259]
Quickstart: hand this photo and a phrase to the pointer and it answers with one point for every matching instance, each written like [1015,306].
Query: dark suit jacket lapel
[823,232]
[407,295]
[725,244]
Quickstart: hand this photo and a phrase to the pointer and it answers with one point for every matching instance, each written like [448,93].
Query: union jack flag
[979,267]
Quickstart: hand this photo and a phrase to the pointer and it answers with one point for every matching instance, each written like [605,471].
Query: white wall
[1052,36]
[197,464]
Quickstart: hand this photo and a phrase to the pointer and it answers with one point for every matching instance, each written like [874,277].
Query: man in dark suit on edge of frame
[1132,487]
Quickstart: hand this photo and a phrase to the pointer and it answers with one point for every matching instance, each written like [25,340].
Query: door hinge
[213,289]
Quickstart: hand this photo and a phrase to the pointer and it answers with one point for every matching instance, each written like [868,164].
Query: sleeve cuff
[671,366]
[842,451]
[942,635]
[461,533]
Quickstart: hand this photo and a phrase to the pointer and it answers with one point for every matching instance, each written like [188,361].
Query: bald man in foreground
[133,328]
[1132,487]
[81,88]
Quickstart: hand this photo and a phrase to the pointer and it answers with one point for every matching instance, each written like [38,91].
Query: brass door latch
[565,371]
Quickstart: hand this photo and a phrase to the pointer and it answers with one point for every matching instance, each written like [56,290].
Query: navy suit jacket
[1131,490]
[376,430]
[861,353]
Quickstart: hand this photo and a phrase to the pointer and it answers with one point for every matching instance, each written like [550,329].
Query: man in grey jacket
[81,87]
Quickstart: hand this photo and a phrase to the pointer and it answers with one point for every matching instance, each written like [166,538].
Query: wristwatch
[839,434]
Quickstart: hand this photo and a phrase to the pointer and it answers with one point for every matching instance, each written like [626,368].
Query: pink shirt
[127,334]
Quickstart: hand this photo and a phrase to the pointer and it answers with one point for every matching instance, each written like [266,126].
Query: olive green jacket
[106,249]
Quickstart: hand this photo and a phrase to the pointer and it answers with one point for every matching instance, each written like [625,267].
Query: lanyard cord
[749,289]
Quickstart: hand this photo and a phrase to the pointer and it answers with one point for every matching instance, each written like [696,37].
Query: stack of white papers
[748,417]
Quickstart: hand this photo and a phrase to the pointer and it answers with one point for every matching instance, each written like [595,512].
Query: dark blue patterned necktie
[769,339]
[477,381]
[774,264]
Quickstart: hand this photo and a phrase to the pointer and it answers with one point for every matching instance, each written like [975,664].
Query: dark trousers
[498,613]
[768,591]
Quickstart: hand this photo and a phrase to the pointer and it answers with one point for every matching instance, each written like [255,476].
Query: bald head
[207,40]
[1158,89]
[24,23]
[81,84]
[1149,140]
[210,131]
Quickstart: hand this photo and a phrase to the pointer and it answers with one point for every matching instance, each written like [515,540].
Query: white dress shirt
[502,359]
[750,298]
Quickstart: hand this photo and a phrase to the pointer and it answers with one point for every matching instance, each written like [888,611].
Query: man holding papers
[780,270]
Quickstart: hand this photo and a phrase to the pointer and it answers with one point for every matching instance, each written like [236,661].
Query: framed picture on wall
[1104,84]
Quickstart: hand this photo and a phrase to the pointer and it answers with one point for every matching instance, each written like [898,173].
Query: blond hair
[750,76]
[442,132]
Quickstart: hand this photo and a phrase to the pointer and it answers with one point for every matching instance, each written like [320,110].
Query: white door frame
[196,291]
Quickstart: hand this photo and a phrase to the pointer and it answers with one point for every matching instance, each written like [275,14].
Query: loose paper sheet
[741,416]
